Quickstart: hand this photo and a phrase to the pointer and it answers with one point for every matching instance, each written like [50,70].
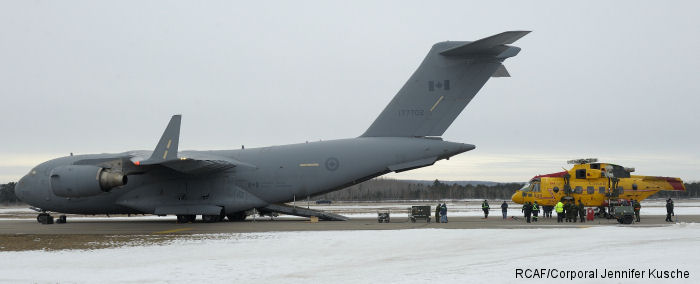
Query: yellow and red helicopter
[595,184]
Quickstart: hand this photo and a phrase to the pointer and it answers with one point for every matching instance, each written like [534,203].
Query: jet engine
[84,180]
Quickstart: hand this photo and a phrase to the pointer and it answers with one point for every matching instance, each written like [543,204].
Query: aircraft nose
[517,197]
[21,188]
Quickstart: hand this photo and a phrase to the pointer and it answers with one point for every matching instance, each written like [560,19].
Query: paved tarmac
[144,227]
[97,233]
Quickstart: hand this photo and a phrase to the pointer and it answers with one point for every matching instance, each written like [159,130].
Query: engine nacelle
[84,180]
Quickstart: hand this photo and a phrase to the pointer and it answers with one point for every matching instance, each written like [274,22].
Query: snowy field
[391,256]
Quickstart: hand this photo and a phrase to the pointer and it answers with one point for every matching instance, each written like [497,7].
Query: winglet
[166,149]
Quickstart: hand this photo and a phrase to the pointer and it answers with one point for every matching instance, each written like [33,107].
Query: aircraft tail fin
[442,86]
[166,149]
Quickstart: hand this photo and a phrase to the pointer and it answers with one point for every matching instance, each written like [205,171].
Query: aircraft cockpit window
[536,187]
[527,187]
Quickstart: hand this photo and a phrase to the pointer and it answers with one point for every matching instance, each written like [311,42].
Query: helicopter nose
[517,197]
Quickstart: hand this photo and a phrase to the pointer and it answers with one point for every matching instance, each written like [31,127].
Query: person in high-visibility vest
[560,211]
[535,211]
[485,207]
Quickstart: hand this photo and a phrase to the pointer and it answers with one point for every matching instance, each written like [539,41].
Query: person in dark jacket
[574,211]
[636,206]
[535,211]
[504,209]
[571,211]
[669,210]
[581,211]
[527,209]
[443,213]
[437,213]
[485,207]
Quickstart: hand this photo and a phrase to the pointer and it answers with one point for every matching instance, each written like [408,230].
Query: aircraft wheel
[182,218]
[44,218]
[627,220]
[211,218]
[236,217]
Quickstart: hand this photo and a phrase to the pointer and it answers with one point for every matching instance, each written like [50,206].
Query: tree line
[380,189]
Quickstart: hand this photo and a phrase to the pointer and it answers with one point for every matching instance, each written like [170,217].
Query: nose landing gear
[44,218]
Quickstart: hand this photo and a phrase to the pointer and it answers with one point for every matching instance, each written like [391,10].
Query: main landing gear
[47,219]
[186,218]
[234,217]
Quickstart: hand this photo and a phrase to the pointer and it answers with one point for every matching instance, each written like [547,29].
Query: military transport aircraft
[214,184]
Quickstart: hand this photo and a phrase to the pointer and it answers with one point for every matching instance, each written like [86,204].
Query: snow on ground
[394,256]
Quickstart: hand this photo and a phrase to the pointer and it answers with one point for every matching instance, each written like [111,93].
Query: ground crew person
[437,213]
[485,207]
[669,210]
[570,211]
[637,207]
[527,209]
[535,211]
[504,209]
[574,211]
[581,211]
[560,211]
[443,213]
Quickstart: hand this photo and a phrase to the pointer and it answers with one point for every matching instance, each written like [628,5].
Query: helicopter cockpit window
[536,187]
[526,188]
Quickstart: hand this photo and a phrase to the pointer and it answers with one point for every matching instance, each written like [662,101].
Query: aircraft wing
[166,154]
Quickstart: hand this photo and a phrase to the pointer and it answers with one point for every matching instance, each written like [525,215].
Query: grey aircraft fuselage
[226,182]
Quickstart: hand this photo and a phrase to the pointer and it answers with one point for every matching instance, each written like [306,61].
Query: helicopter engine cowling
[84,180]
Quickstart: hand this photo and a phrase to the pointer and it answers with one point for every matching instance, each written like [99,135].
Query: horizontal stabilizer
[494,45]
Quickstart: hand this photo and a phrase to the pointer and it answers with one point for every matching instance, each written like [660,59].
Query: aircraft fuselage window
[620,189]
[556,189]
[595,166]
[581,173]
[601,189]
[634,186]
[591,190]
[578,189]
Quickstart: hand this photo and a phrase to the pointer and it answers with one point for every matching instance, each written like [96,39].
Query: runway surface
[78,233]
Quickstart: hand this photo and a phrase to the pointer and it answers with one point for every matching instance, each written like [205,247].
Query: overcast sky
[617,80]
